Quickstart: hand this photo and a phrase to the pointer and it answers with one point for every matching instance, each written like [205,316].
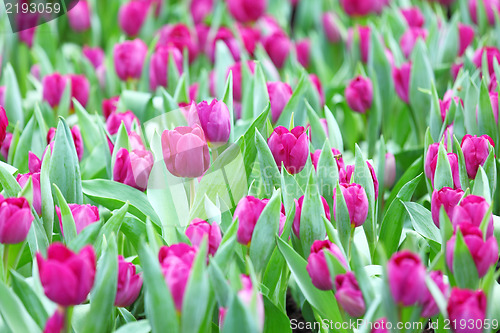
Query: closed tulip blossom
[246,11]
[410,38]
[236,71]
[215,121]
[185,151]
[129,283]
[401,78]
[4,122]
[116,118]
[413,16]
[133,168]
[356,201]
[380,326]
[429,306]
[131,16]
[472,209]
[250,36]
[176,262]
[348,294]
[79,16]
[319,88]
[465,37]
[226,36]
[317,266]
[200,9]
[279,95]
[330,27]
[15,220]
[359,94]
[390,170]
[298,212]
[251,299]
[290,148]
[476,151]
[5,145]
[303,50]
[180,36]
[466,305]
[199,229]
[431,153]
[109,106]
[491,7]
[364,36]
[358,7]
[23,179]
[278,46]
[53,86]
[80,88]
[95,55]
[406,275]
[84,215]
[67,277]
[158,66]
[491,53]
[248,212]
[55,324]
[446,197]
[337,155]
[128,58]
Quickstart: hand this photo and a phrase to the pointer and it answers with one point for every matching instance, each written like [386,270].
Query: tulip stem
[191,192]
[68,314]
[6,261]
[215,154]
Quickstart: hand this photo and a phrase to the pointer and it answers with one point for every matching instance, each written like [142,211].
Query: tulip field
[249,166]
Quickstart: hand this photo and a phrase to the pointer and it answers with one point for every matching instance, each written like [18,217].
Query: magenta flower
[476,151]
[401,78]
[298,212]
[446,197]
[413,16]
[359,94]
[95,55]
[330,27]
[465,37]
[4,122]
[491,53]
[277,46]
[248,212]
[279,95]
[317,266]
[315,158]
[131,16]
[215,121]
[53,88]
[79,16]
[410,38]
[491,6]
[179,35]
[465,305]
[128,58]
[246,11]
[406,275]
[349,295]
[303,49]
[133,168]
[472,209]
[198,229]
[55,324]
[429,306]
[158,67]
[390,170]
[129,283]
[290,148]
[115,120]
[356,201]
[15,220]
[84,215]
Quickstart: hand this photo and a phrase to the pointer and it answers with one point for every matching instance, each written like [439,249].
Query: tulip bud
[410,38]
[109,106]
[303,49]
[176,262]
[128,58]
[67,277]
[432,152]
[158,67]
[237,79]
[198,229]
[446,197]
[200,9]
[465,37]
[476,151]
[413,17]
[330,27]
[215,121]
[115,120]
[472,209]
[251,299]
[359,94]
[94,54]
[245,11]
[390,170]
[279,95]
[290,148]
[129,283]
[491,6]
[348,294]
[491,53]
[248,212]
[315,158]
[364,35]
[401,78]
[83,215]
[317,266]
[5,146]
[79,16]
[484,253]
[131,16]
[185,151]
[4,122]
[298,212]
[53,88]
[380,326]
[406,275]
[23,179]
[250,37]
[359,7]
[319,88]
[180,37]
[356,201]
[464,306]
[277,46]
[133,168]
[429,306]
[15,220]
[226,36]
[80,88]
[55,324]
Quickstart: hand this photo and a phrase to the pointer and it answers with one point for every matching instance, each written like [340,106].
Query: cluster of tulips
[257,166]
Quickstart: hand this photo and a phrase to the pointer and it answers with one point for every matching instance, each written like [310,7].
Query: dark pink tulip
[200,9]
[345,174]
[298,212]
[199,229]
[315,158]
[79,16]
[390,170]
[476,151]
[380,326]
[237,78]
[246,11]
[202,30]
[129,283]
[5,145]
[445,103]
[472,209]
[80,88]
[446,197]
[349,295]
[357,203]
[429,306]
[277,46]
[176,262]
[131,16]
[248,212]
[401,78]
[15,220]
[185,151]
[128,58]
[84,215]
[491,7]
[409,39]
[316,82]
[453,160]
[55,324]
[250,37]
[224,35]
[23,179]
[303,49]
[317,266]
[179,36]
[4,122]
[332,32]
[406,275]
[109,106]
[158,66]
[455,69]
[491,54]
[465,37]
[133,168]
[413,17]
[279,95]
[26,24]
[444,2]
[359,94]
[364,33]
[290,148]
[67,277]
[53,88]
[465,305]
[484,253]
[116,118]
[248,297]
[215,121]
[95,55]
[432,152]
[359,7]
[2,95]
